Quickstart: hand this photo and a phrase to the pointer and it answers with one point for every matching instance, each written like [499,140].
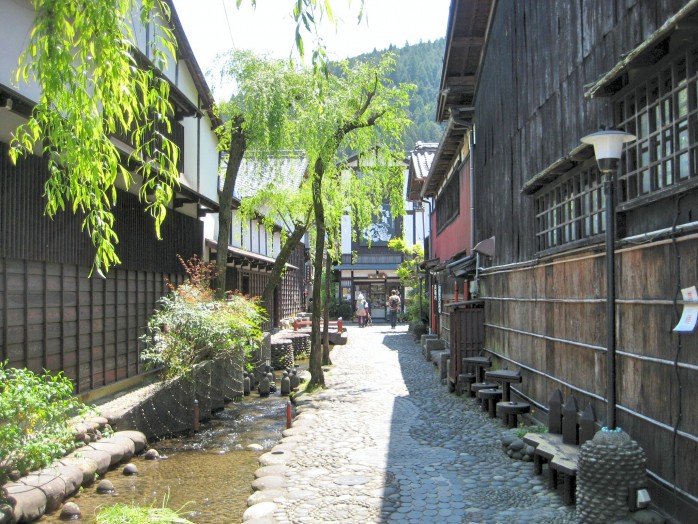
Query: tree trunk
[317,378]
[236,151]
[286,251]
[326,361]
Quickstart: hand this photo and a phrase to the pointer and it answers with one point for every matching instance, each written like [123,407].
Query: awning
[463,266]
[648,52]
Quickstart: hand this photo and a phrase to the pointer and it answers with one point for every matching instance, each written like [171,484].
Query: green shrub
[192,326]
[34,419]
[412,310]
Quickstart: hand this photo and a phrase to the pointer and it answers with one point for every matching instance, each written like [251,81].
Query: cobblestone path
[386,442]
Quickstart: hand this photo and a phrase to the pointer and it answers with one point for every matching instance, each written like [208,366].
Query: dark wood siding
[546,314]
[52,314]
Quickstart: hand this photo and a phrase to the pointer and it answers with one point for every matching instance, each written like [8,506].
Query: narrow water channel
[208,473]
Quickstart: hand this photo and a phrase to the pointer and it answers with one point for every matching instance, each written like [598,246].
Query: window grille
[571,209]
[662,111]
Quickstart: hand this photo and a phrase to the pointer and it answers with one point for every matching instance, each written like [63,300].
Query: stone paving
[386,442]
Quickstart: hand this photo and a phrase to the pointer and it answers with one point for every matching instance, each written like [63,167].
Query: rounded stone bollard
[151,454]
[246,386]
[70,511]
[263,387]
[285,384]
[105,487]
[610,465]
[130,470]
[295,379]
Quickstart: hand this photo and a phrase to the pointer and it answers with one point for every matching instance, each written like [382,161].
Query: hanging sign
[687,322]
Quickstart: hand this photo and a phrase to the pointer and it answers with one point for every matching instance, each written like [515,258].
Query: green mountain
[418,64]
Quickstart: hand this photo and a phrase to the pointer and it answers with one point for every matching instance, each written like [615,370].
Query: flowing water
[208,474]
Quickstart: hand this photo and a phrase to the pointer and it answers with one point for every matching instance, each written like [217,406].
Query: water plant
[35,415]
[132,514]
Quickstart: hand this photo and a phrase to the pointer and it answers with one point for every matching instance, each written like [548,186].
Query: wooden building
[369,267]
[526,80]
[52,316]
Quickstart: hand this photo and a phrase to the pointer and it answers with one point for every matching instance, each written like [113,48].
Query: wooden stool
[489,400]
[511,410]
[477,386]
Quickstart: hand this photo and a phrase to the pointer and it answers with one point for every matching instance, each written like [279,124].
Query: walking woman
[360,312]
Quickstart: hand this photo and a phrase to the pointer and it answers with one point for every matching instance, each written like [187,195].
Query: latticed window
[662,111]
[571,209]
[448,203]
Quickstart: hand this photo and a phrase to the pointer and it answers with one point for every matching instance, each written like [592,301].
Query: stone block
[433,344]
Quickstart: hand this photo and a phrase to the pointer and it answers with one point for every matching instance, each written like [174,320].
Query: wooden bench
[337,324]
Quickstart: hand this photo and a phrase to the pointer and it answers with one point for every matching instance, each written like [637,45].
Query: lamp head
[608,146]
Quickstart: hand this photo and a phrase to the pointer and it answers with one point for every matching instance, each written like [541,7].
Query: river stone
[100,457]
[105,487]
[51,484]
[269,482]
[275,458]
[87,465]
[517,445]
[267,520]
[139,440]
[285,446]
[70,511]
[267,495]
[29,502]
[120,448]
[263,510]
[646,516]
[100,421]
[508,439]
[71,475]
[296,431]
[254,447]
[266,471]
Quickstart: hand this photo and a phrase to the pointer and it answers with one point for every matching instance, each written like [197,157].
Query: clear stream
[207,474]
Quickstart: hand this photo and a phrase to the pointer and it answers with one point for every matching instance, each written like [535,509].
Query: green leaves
[94,84]
[34,419]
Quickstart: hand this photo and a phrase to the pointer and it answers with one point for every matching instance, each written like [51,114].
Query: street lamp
[608,146]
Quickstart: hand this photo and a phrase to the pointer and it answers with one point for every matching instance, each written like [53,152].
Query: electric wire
[227,21]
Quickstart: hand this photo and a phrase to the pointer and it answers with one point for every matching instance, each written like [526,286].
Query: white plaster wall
[276,244]
[346,235]
[236,230]
[208,174]
[16,19]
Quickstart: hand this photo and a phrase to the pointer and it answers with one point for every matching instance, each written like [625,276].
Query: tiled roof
[420,162]
[422,157]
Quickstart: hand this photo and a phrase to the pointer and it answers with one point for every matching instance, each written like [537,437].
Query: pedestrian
[360,312]
[393,307]
[367,307]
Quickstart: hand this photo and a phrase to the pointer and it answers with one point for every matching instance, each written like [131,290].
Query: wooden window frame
[570,211]
[661,110]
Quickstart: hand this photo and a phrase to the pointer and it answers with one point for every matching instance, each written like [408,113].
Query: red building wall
[455,236]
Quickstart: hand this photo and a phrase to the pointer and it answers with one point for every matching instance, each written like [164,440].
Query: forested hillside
[419,64]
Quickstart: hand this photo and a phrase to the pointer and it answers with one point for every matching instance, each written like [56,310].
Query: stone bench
[559,448]
[561,459]
[431,345]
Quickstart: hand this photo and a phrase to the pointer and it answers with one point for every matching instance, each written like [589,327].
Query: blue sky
[215,26]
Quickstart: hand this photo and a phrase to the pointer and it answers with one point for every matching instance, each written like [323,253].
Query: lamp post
[608,146]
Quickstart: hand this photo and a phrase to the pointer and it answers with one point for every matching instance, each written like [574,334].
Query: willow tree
[93,83]
[259,116]
[357,108]
[83,56]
